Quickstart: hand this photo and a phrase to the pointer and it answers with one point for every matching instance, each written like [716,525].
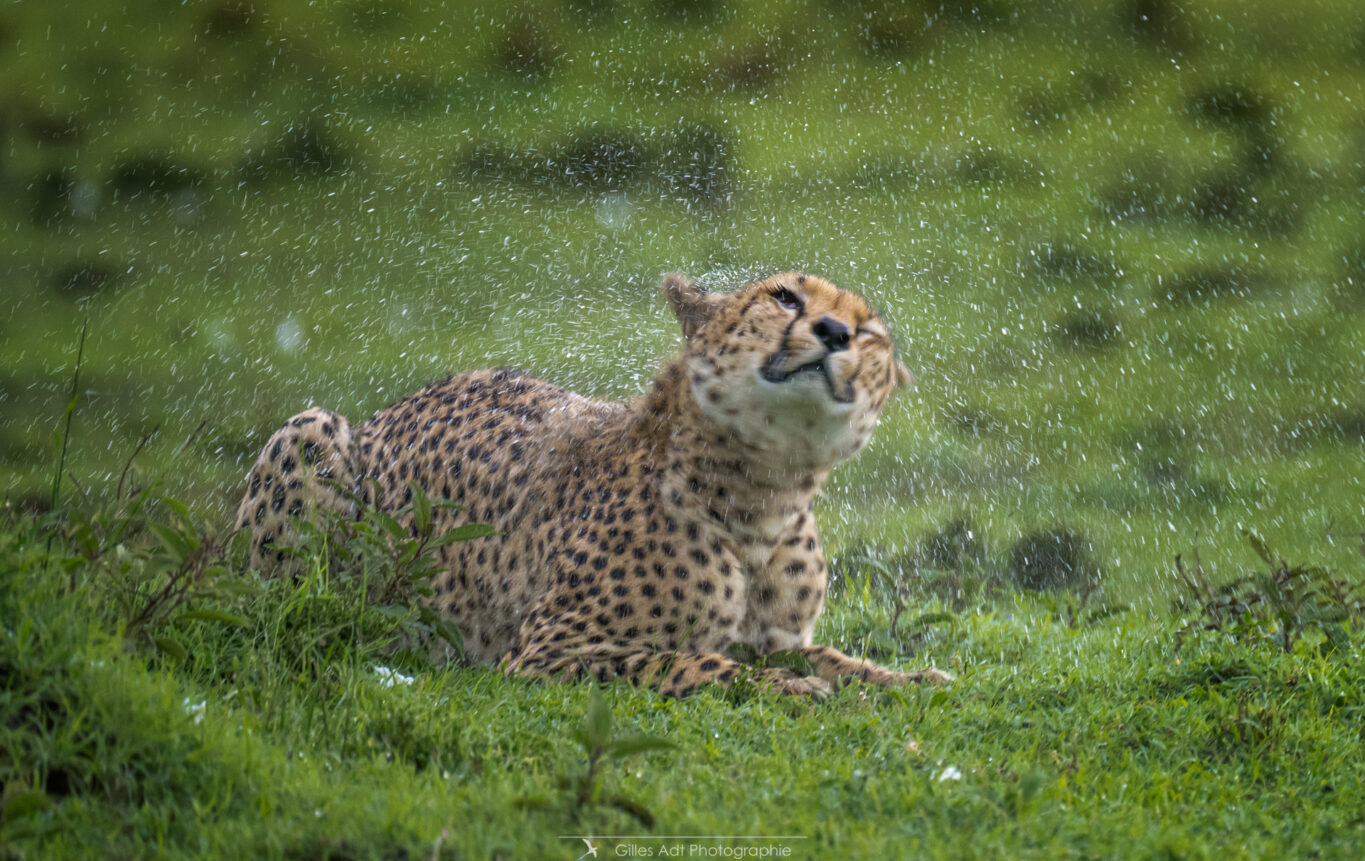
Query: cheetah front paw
[894,678]
[930,675]
[800,686]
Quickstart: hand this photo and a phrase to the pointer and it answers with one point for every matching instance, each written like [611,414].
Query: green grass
[1124,262]
[274,735]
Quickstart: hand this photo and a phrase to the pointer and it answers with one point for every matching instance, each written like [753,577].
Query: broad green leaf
[464,532]
[214,616]
[391,526]
[631,745]
[443,627]
[178,545]
[421,509]
[1259,546]
[597,722]
[122,524]
[175,505]
[87,544]
[237,587]
[634,808]
[172,649]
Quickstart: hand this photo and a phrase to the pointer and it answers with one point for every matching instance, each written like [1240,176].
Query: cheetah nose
[832,333]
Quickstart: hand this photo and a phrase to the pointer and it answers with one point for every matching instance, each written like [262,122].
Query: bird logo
[592,850]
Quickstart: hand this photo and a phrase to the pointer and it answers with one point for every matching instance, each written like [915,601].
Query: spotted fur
[637,539]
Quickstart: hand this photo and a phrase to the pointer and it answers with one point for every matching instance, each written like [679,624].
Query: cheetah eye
[788,299]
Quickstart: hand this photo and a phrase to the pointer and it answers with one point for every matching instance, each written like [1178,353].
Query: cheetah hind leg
[303,467]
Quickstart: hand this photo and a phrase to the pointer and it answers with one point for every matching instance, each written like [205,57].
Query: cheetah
[637,539]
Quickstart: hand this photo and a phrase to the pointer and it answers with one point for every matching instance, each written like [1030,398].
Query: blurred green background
[1120,243]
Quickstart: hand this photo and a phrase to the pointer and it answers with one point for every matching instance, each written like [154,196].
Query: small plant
[901,581]
[353,591]
[156,564]
[393,556]
[950,565]
[954,565]
[1058,558]
[601,746]
[894,581]
[161,568]
[1077,611]
[1279,604]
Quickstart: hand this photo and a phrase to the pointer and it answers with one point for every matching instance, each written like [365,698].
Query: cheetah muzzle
[773,371]
[639,539]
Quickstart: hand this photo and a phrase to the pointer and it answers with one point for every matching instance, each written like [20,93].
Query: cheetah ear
[691,302]
[904,379]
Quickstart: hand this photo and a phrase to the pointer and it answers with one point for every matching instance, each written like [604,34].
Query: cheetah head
[795,367]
